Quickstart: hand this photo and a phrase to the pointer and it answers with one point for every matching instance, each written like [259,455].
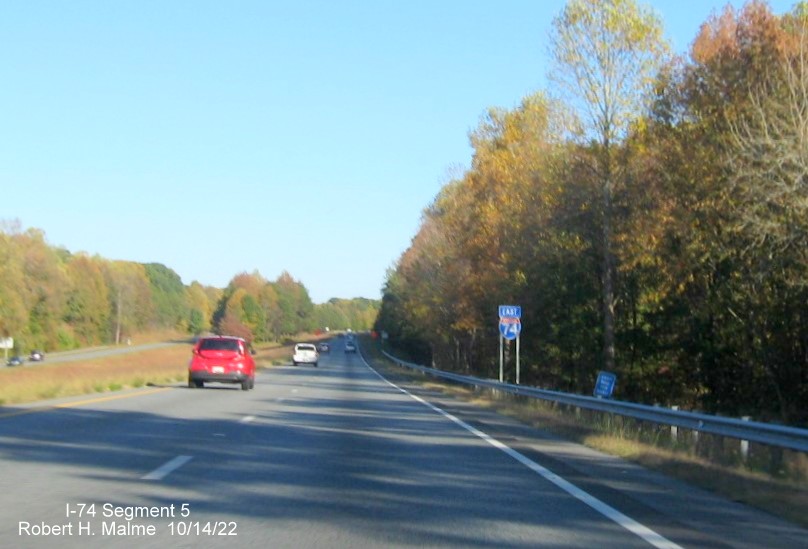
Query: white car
[305,353]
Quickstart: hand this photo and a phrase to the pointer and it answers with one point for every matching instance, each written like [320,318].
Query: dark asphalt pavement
[324,457]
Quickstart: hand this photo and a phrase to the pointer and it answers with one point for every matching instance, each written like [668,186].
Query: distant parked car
[222,359]
[36,356]
[15,361]
[324,348]
[305,353]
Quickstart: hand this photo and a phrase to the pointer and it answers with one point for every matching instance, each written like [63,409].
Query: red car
[222,359]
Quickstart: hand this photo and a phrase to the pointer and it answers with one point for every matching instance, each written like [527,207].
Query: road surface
[333,456]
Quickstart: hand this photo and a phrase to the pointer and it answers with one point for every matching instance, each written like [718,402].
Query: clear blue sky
[229,136]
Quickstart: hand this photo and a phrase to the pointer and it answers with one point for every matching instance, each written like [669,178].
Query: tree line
[53,299]
[650,216]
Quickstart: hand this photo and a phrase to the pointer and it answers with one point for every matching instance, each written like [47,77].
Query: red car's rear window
[218,345]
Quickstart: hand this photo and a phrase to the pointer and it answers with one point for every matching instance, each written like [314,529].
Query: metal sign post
[510,326]
[6,343]
[501,368]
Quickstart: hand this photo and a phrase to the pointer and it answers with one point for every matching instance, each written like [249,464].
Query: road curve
[333,456]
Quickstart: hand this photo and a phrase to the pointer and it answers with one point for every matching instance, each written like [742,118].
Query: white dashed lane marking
[167,468]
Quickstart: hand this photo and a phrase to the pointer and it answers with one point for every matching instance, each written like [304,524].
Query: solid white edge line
[652,537]
[165,469]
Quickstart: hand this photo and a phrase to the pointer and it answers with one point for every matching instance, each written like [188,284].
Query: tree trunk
[470,351]
[118,320]
[608,279]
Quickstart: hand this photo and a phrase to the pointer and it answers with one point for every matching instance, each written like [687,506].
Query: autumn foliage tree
[53,299]
[693,198]
[606,53]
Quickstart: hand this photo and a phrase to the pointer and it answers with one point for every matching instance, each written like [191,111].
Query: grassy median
[62,379]
[167,365]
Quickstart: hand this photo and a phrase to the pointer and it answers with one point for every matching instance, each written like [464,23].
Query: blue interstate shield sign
[510,327]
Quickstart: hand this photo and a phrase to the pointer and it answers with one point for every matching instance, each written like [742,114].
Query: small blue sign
[514,311]
[510,327]
[604,386]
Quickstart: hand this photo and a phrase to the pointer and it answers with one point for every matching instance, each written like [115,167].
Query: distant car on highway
[36,356]
[324,348]
[305,353]
[350,347]
[222,359]
[15,361]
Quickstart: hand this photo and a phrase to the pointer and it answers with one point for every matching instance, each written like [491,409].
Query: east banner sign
[514,311]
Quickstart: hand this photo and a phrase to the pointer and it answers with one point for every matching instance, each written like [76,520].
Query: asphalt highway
[334,456]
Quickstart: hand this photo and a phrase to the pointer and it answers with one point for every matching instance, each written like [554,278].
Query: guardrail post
[774,439]
[744,445]
[775,460]
[674,428]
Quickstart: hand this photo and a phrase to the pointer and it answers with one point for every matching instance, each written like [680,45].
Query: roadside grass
[279,354]
[157,336]
[783,497]
[137,369]
[132,370]
[272,354]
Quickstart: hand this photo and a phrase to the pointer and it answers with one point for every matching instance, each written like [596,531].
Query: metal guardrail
[753,431]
